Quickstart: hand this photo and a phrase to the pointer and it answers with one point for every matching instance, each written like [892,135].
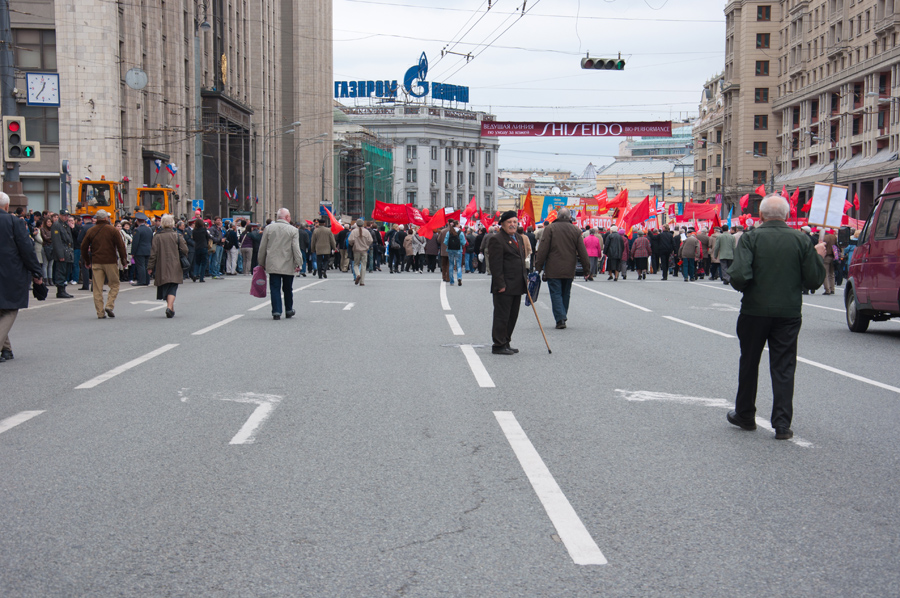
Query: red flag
[784,193]
[390,212]
[716,221]
[795,197]
[847,206]
[550,217]
[486,220]
[856,200]
[452,216]
[761,190]
[602,202]
[526,214]
[437,221]
[673,209]
[745,201]
[807,205]
[414,216]
[336,226]
[637,214]
[620,200]
[472,207]
[793,209]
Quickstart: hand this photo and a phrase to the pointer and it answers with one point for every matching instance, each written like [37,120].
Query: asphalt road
[380,449]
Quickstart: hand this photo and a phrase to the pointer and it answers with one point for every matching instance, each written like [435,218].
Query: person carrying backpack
[455,240]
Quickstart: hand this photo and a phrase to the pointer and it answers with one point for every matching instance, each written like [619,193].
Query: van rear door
[884,254]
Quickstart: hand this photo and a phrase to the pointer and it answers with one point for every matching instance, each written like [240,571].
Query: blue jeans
[215,263]
[140,267]
[198,268]
[688,268]
[468,262]
[455,257]
[560,289]
[305,258]
[76,271]
[277,284]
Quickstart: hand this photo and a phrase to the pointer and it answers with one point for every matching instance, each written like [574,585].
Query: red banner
[595,129]
[390,212]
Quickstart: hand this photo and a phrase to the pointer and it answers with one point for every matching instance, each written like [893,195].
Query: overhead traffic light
[603,64]
[16,147]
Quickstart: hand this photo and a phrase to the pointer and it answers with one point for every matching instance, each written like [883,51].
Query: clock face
[43,89]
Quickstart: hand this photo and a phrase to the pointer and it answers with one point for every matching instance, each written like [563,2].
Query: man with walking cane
[506,253]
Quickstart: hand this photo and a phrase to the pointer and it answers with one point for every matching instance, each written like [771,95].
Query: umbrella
[534,287]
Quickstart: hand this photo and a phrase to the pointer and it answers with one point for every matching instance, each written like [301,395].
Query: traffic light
[16,147]
[603,64]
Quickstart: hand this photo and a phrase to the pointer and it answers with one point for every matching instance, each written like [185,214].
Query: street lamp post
[772,164]
[198,110]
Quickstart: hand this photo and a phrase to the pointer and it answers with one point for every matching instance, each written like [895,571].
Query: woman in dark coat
[201,250]
[165,260]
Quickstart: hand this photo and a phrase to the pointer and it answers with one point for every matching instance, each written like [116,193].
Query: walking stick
[530,300]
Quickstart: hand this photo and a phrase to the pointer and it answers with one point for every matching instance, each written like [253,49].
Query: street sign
[197,204]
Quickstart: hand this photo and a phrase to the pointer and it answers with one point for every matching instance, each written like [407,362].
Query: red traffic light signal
[13,126]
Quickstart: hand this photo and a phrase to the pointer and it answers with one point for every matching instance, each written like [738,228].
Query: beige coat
[360,240]
[279,250]
[322,242]
[165,261]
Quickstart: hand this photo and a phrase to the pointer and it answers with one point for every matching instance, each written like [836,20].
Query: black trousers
[781,334]
[664,265]
[322,263]
[432,262]
[506,312]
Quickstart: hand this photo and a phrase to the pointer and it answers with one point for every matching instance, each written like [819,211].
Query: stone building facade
[810,93]
[262,65]
[440,158]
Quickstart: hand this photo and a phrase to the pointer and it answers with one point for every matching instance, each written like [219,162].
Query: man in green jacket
[723,251]
[772,265]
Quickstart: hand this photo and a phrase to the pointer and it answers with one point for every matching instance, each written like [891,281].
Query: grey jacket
[279,250]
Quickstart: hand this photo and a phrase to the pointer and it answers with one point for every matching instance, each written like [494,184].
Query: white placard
[827,207]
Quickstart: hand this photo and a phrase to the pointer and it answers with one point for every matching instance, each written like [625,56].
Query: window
[42,124]
[434,176]
[888,220]
[471,156]
[882,118]
[719,136]
[447,199]
[761,96]
[459,155]
[411,197]
[434,152]
[487,179]
[763,13]
[487,200]
[703,164]
[814,110]
[759,177]
[702,187]
[762,68]
[760,148]
[471,179]
[35,49]
[448,155]
[762,40]
[42,194]
[883,80]
[718,182]
[718,162]
[487,158]
[761,122]
[857,125]
[459,178]
[434,203]
[411,152]
[448,178]
[411,175]
[459,200]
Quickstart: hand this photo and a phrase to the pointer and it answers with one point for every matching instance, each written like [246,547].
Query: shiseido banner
[607,129]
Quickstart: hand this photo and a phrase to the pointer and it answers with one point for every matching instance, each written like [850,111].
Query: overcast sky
[532,71]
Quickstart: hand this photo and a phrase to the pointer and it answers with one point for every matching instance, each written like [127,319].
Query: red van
[872,292]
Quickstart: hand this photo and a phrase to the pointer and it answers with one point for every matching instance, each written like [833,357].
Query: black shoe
[511,349]
[733,420]
[325,275]
[459,283]
[783,433]
[64,295]
[303,274]
[610,277]
[110,313]
[170,313]
[356,280]
[193,279]
[289,313]
[502,351]
[276,316]
[6,355]
[560,325]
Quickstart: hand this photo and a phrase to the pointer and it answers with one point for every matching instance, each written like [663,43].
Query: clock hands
[42,89]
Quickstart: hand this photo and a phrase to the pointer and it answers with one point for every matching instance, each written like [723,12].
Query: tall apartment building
[708,134]
[440,158]
[810,89]
[262,65]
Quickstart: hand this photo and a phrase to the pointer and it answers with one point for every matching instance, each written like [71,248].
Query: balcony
[798,7]
[887,23]
[795,68]
[835,49]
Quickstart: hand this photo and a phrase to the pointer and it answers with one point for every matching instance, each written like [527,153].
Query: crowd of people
[55,246]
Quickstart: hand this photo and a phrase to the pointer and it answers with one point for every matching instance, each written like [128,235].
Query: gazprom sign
[414,84]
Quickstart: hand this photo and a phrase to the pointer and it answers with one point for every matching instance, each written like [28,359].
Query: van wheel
[856,321]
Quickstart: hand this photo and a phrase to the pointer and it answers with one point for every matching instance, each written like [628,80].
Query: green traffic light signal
[28,151]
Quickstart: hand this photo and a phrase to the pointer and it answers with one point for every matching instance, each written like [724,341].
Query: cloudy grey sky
[527,66]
